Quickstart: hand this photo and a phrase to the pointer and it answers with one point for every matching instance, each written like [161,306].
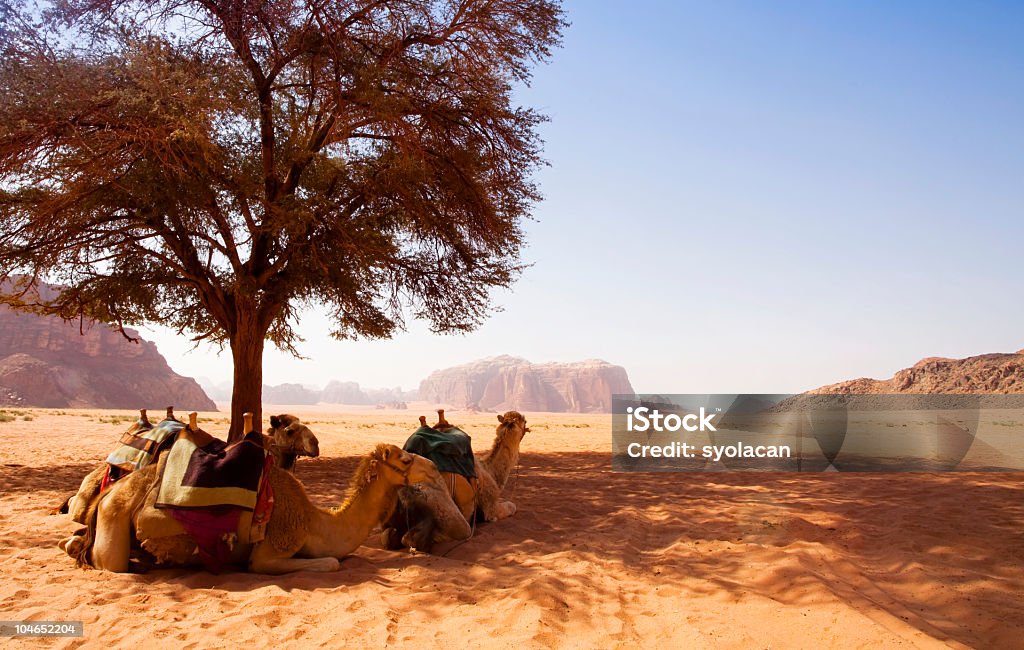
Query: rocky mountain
[288,394]
[47,362]
[336,392]
[986,373]
[344,392]
[349,392]
[506,382]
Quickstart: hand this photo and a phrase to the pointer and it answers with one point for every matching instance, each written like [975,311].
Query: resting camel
[286,440]
[299,535]
[443,509]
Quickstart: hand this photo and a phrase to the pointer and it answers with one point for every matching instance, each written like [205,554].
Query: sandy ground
[592,559]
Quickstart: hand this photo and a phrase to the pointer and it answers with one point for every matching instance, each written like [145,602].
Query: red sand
[592,559]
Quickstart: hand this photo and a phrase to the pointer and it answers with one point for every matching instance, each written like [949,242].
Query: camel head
[290,438]
[512,427]
[397,466]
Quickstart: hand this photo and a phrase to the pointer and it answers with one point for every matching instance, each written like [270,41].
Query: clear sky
[750,197]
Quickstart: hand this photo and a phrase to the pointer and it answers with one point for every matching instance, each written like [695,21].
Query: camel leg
[449,522]
[89,490]
[395,528]
[420,536]
[112,548]
[266,559]
[114,513]
[433,516]
[506,509]
[73,545]
[493,508]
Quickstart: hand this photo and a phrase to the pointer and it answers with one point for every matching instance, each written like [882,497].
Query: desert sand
[592,559]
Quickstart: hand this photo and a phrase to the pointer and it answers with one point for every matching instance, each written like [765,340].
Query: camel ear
[501,419]
[387,452]
[275,421]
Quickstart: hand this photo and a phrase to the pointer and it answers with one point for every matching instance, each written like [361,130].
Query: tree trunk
[247,391]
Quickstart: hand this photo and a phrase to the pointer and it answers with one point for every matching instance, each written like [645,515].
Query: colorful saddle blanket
[204,472]
[143,443]
[451,451]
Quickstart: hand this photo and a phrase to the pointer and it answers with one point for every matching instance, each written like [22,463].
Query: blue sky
[750,197]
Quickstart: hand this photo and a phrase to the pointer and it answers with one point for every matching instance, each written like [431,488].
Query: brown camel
[299,535]
[443,509]
[286,440]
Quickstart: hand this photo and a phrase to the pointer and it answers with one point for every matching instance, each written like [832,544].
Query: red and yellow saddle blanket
[206,484]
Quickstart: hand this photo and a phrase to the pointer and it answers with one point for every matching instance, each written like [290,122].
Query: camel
[299,535]
[438,510]
[77,504]
[286,440]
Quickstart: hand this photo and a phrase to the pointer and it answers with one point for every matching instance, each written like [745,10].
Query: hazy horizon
[748,197]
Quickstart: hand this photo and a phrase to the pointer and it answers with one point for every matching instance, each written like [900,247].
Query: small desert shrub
[6,417]
[27,418]
[117,419]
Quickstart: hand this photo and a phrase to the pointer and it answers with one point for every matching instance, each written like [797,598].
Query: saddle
[450,450]
[202,471]
[217,494]
[141,444]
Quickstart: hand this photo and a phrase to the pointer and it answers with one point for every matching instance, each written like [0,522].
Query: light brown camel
[299,535]
[442,510]
[286,440]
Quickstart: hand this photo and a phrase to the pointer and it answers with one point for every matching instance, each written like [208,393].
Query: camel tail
[64,507]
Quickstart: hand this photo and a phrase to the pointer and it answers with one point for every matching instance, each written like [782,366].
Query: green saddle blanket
[450,450]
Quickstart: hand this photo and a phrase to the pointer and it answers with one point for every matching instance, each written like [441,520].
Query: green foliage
[220,172]
[219,166]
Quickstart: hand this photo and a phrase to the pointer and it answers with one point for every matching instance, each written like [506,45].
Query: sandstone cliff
[47,362]
[505,382]
[986,373]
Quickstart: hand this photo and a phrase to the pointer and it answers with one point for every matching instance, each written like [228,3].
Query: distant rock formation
[336,392]
[344,392]
[506,382]
[47,362]
[987,373]
[289,394]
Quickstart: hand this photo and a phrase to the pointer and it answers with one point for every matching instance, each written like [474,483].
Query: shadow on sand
[939,552]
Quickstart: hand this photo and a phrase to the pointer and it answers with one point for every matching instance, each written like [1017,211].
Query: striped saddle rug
[141,444]
[204,472]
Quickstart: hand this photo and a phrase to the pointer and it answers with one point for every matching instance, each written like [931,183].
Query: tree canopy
[217,165]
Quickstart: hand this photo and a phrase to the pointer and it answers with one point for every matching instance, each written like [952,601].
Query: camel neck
[286,460]
[501,460]
[338,532]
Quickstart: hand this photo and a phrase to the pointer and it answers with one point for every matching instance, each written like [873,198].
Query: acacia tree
[218,165]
